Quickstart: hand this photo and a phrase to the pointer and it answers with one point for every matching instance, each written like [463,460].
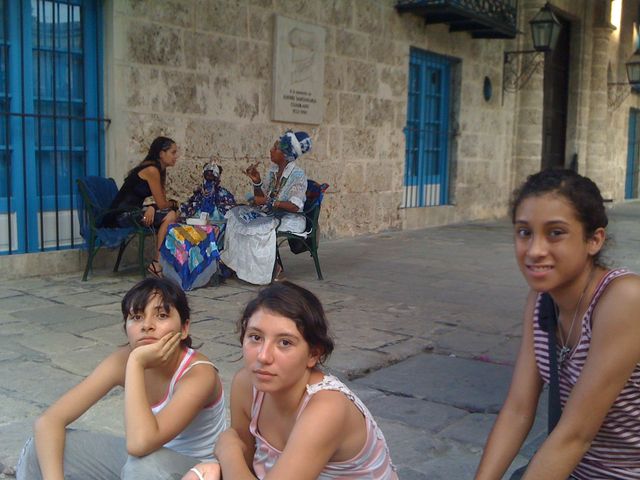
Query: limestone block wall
[200,71]
[596,131]
[620,50]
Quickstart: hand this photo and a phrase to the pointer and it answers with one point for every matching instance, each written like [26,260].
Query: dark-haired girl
[289,420]
[559,229]
[147,179]
[173,401]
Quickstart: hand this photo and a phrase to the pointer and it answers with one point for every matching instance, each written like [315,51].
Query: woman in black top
[145,180]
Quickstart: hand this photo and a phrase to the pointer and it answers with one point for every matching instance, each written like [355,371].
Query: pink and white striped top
[615,451]
[373,462]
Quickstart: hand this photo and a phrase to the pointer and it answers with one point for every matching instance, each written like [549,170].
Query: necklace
[565,349]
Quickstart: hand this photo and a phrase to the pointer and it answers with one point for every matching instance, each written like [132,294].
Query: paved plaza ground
[427,324]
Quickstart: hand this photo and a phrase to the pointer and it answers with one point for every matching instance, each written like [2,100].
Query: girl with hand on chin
[559,227]
[173,401]
[290,420]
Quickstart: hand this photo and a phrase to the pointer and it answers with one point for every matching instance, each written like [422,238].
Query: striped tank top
[373,462]
[615,451]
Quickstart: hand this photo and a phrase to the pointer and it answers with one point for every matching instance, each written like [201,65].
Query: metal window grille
[426,177]
[51,125]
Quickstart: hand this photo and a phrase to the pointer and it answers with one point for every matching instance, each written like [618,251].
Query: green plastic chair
[96,195]
[306,241]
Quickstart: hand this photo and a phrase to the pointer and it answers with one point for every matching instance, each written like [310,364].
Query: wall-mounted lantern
[617,92]
[545,30]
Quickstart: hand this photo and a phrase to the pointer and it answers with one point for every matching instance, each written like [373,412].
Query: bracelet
[257,185]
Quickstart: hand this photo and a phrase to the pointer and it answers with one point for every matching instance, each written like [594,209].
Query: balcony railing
[481,18]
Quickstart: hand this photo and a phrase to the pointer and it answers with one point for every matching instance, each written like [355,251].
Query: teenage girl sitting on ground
[559,221]
[289,420]
[173,401]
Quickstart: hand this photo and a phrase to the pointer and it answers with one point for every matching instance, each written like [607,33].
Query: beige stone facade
[200,71]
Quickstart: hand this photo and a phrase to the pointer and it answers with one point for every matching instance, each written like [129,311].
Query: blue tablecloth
[189,254]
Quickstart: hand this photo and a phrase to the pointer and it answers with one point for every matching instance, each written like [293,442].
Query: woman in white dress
[250,238]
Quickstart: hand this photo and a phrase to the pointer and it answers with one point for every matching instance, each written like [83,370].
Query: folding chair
[96,195]
[306,241]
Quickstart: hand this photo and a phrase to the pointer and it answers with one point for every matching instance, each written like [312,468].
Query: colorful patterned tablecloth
[189,254]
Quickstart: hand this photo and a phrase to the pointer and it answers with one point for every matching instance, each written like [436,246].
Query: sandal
[155,269]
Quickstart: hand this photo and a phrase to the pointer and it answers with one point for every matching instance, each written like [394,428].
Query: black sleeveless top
[131,195]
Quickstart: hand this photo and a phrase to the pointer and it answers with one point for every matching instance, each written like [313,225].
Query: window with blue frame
[51,130]
[426,177]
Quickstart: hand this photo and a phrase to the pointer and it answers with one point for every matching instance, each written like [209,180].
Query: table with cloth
[189,254]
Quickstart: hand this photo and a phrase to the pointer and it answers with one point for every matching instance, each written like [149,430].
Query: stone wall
[200,71]
[596,130]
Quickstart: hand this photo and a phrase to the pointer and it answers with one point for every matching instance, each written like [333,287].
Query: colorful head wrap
[213,168]
[294,144]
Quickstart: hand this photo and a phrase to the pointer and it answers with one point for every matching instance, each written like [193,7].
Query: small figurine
[210,197]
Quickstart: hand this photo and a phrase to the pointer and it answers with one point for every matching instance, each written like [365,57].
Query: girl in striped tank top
[290,421]
[560,220]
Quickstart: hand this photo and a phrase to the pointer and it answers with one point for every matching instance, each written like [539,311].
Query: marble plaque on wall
[298,71]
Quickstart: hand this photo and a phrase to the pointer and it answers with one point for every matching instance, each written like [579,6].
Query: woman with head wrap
[250,242]
[210,197]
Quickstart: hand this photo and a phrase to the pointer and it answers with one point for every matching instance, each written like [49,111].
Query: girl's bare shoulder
[625,288]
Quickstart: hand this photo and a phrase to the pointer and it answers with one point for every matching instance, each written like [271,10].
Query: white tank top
[199,437]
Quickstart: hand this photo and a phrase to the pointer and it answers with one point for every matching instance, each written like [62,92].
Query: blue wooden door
[633,155]
[427,132]
[49,118]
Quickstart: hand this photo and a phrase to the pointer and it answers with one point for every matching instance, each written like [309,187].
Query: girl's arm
[236,446]
[151,175]
[612,357]
[146,432]
[49,429]
[519,409]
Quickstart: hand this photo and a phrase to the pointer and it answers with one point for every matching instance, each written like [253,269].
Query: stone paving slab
[24,302]
[56,290]
[81,361]
[14,435]
[35,382]
[459,382]
[112,334]
[64,318]
[54,342]
[430,416]
[7,292]
[89,299]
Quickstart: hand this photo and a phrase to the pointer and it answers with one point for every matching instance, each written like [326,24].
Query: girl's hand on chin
[157,353]
[209,471]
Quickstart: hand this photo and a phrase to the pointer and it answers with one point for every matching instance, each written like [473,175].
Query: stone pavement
[427,324]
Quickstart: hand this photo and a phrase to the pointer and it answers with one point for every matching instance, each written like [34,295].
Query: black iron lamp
[545,30]
[617,92]
[633,69]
